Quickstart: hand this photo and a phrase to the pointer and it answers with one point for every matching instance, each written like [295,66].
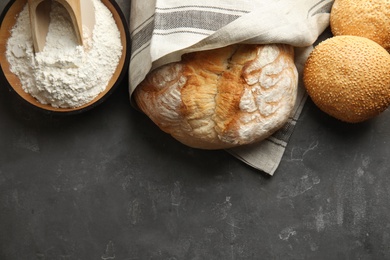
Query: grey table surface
[107,184]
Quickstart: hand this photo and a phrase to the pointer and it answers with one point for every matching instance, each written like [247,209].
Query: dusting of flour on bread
[222,98]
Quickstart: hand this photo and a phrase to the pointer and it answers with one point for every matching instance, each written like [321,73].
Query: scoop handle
[39,11]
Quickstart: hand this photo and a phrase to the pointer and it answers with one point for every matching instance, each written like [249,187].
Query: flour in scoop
[65,74]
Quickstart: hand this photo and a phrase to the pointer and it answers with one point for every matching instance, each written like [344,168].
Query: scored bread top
[222,98]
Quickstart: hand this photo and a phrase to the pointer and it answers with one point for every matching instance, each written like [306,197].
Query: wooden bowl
[8,20]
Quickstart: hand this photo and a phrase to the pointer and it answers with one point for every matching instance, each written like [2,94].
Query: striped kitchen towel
[162,30]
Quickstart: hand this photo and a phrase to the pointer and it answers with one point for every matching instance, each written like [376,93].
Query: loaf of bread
[222,98]
[348,78]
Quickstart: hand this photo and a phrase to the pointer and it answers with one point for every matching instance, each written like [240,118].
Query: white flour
[65,74]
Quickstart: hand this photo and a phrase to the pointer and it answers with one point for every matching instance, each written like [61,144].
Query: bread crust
[368,18]
[222,98]
[348,77]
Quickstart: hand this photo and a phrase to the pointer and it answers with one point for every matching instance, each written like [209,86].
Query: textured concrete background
[107,184]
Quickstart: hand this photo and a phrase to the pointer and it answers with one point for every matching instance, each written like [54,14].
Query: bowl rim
[105,94]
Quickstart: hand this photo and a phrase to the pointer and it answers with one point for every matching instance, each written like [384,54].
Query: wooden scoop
[81,13]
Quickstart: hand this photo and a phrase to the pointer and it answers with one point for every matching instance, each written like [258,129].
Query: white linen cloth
[162,30]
